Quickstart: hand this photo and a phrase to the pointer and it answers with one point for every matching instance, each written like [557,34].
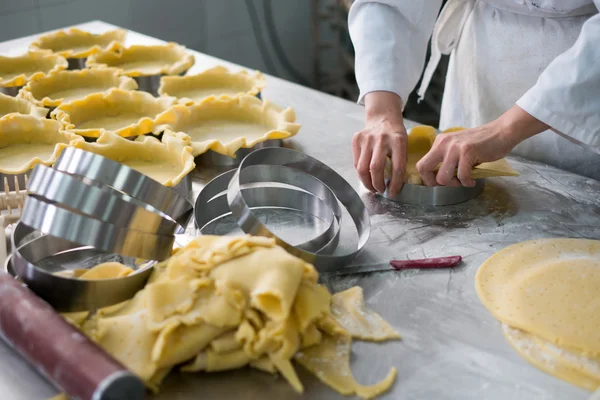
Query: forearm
[516,125]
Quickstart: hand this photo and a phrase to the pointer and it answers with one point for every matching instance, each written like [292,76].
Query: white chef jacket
[543,55]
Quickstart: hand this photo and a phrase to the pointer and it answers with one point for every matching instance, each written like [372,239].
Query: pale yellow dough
[223,303]
[75,43]
[226,124]
[167,161]
[167,59]
[65,86]
[9,105]
[26,141]
[420,141]
[122,112]
[548,289]
[216,81]
[17,71]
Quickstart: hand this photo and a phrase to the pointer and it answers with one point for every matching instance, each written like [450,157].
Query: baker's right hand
[384,136]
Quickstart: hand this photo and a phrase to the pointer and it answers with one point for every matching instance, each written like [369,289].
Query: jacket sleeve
[567,93]
[390,41]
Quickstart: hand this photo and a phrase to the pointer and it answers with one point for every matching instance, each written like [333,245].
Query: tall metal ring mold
[70,294]
[150,83]
[436,195]
[86,231]
[10,90]
[76,63]
[127,180]
[297,160]
[98,201]
[211,203]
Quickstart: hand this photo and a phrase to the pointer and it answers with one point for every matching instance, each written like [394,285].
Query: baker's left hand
[458,152]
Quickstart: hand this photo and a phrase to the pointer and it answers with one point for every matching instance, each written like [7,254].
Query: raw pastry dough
[571,367]
[26,141]
[125,113]
[75,43]
[420,141]
[226,124]
[548,289]
[227,302]
[216,81]
[349,309]
[9,105]
[167,59]
[17,71]
[65,86]
[166,161]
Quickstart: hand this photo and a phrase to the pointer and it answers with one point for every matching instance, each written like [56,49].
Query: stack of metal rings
[282,178]
[91,204]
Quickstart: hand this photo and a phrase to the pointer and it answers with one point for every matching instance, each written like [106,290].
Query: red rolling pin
[59,351]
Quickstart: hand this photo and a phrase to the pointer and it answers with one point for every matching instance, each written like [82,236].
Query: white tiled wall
[218,27]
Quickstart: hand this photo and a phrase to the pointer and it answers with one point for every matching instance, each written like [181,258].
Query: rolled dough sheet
[420,141]
[571,367]
[547,287]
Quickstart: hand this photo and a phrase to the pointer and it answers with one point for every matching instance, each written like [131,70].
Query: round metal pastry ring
[86,231]
[315,199]
[64,293]
[300,161]
[214,159]
[10,90]
[98,201]
[126,180]
[437,195]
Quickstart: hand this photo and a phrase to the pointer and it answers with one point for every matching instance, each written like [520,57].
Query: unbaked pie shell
[167,161]
[125,113]
[214,115]
[216,81]
[53,90]
[75,43]
[17,71]
[137,60]
[10,104]
[26,141]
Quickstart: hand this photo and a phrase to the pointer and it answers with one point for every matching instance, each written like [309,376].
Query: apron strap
[446,32]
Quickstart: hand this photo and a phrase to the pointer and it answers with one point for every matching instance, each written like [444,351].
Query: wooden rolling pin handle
[59,351]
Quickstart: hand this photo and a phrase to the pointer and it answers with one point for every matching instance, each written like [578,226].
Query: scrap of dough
[420,141]
[125,113]
[349,309]
[139,60]
[215,81]
[109,270]
[567,366]
[547,287]
[225,124]
[223,303]
[167,161]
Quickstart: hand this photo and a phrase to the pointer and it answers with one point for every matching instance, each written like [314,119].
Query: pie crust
[17,71]
[166,161]
[10,104]
[216,81]
[65,86]
[137,60]
[225,124]
[26,141]
[75,43]
[125,113]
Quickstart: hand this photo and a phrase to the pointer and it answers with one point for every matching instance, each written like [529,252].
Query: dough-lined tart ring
[75,43]
[65,86]
[26,141]
[10,104]
[17,71]
[216,81]
[167,161]
[137,60]
[226,124]
[125,113]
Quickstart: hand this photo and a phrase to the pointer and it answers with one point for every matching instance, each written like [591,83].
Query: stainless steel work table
[452,347]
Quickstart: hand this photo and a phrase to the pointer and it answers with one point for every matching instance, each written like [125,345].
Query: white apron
[498,50]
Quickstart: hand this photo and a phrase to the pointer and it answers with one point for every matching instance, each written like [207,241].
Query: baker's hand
[384,136]
[459,152]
